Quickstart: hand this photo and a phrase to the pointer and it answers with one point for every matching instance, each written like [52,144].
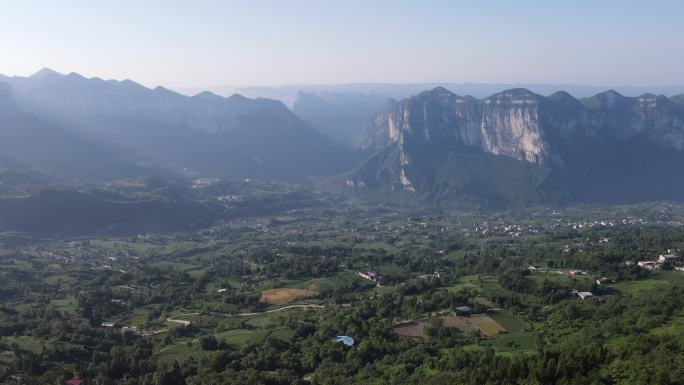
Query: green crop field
[509,322]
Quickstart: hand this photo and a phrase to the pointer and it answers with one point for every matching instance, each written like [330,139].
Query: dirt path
[181,321]
[186,322]
[280,309]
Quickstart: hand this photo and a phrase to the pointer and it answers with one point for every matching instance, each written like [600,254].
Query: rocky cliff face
[437,116]
[523,125]
[560,133]
[508,123]
[658,118]
[511,125]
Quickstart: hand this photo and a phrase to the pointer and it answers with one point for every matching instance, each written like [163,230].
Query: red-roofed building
[74,381]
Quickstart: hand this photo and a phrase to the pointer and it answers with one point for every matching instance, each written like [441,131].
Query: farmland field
[484,324]
[414,328]
[285,295]
[509,322]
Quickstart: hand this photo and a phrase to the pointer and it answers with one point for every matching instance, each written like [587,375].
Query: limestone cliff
[559,132]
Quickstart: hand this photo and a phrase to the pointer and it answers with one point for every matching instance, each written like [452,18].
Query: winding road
[186,322]
[279,309]
[181,321]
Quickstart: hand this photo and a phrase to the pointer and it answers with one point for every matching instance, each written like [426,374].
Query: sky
[277,42]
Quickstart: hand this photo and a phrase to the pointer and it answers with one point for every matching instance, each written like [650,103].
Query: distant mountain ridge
[512,148]
[47,148]
[288,94]
[204,134]
[556,145]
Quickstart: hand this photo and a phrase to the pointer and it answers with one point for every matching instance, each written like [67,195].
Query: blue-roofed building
[346,340]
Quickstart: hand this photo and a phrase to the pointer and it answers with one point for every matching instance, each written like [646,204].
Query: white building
[666,257]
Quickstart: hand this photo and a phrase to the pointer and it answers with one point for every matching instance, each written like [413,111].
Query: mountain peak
[440,91]
[517,92]
[565,99]
[561,95]
[208,96]
[77,76]
[610,94]
[45,73]
[606,99]
[237,98]
[435,93]
[513,95]
[165,91]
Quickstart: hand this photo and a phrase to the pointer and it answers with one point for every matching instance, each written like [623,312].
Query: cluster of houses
[654,264]
[501,229]
[131,329]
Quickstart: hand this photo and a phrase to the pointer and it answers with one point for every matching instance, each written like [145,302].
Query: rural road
[186,322]
[181,321]
[279,309]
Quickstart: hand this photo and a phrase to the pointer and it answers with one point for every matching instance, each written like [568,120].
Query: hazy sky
[260,42]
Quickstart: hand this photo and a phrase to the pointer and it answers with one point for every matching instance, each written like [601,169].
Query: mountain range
[49,149]
[512,148]
[206,134]
[517,147]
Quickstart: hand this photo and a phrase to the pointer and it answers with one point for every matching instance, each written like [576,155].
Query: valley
[261,298]
[341,192]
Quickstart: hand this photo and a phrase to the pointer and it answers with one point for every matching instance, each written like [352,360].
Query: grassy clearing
[671,276]
[562,279]
[241,337]
[67,305]
[62,280]
[381,290]
[487,285]
[636,287]
[509,322]
[661,279]
[394,271]
[675,327]
[180,352]
[25,343]
[136,318]
[411,329]
[283,334]
[261,320]
[346,280]
[510,344]
[484,324]
[177,266]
